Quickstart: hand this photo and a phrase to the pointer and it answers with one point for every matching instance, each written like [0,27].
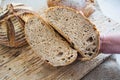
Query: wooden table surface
[24,64]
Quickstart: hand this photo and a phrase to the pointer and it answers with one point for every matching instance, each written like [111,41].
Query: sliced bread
[76,29]
[48,44]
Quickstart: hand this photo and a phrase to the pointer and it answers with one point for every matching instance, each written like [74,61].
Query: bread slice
[76,29]
[48,44]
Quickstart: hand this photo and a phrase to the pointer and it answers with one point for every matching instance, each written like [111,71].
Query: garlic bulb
[12,22]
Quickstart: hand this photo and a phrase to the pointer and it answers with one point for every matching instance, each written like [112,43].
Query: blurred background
[111,8]
[36,5]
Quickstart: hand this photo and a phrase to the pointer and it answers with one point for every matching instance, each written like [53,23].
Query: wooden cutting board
[24,64]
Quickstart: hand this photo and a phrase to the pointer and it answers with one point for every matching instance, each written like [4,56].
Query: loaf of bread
[12,22]
[76,4]
[48,44]
[76,29]
[81,5]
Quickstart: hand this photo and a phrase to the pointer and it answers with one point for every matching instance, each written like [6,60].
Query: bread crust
[84,58]
[75,4]
[12,25]
[48,60]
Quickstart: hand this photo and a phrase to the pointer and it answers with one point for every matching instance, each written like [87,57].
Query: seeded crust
[76,29]
[48,44]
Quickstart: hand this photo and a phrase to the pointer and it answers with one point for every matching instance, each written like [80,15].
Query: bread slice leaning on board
[76,29]
[48,44]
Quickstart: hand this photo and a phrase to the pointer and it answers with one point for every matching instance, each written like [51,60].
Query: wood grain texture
[28,66]
[24,64]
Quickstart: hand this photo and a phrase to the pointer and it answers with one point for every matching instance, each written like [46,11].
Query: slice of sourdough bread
[76,29]
[48,44]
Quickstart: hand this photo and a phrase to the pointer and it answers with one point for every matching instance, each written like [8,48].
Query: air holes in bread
[83,43]
[63,59]
[86,30]
[85,53]
[90,39]
[90,54]
[94,43]
[66,19]
[60,54]
[47,61]
[94,50]
[69,57]
[88,49]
